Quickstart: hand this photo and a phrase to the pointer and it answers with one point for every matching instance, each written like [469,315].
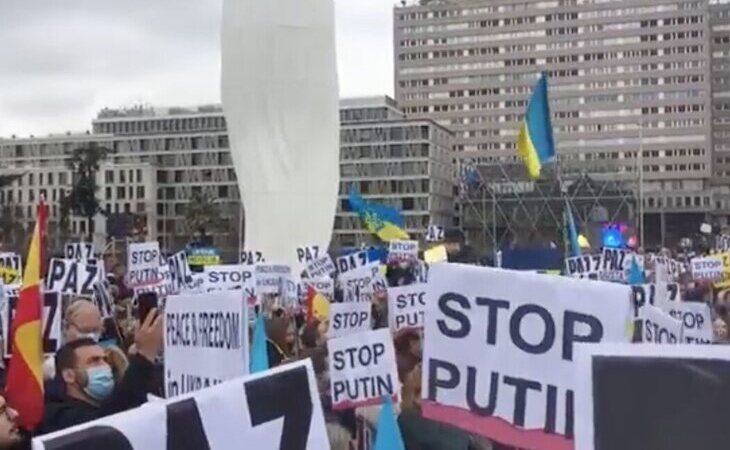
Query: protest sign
[360,279]
[143,261]
[658,327]
[498,359]
[66,276]
[206,340]
[644,396]
[403,251]
[51,322]
[657,294]
[435,233]
[362,369]
[277,410]
[230,277]
[79,251]
[584,266]
[162,286]
[349,318]
[696,320]
[421,271]
[181,277]
[435,255]
[309,253]
[353,261]
[321,267]
[325,287]
[707,268]
[269,277]
[103,299]
[251,258]
[203,256]
[406,306]
[11,268]
[615,264]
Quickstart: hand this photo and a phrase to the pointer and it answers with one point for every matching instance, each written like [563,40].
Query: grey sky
[63,60]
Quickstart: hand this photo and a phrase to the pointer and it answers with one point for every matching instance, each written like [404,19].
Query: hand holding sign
[148,338]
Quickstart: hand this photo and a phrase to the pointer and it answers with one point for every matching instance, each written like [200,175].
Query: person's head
[82,366]
[83,320]
[119,270]
[408,341]
[720,329]
[10,435]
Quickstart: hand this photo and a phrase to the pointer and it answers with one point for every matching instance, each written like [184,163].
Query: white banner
[275,410]
[51,322]
[362,369]
[658,327]
[403,251]
[70,277]
[349,318]
[707,268]
[206,340]
[79,251]
[499,346]
[584,266]
[696,320]
[143,263]
[406,306]
[321,267]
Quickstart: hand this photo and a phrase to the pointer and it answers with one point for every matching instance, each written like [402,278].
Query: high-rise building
[626,77]
[161,158]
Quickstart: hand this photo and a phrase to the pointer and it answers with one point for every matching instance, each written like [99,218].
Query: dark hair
[66,355]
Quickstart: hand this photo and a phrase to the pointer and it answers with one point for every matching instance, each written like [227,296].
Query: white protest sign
[707,268]
[659,327]
[251,258]
[378,283]
[269,277]
[181,276]
[51,322]
[309,253]
[162,286]
[325,287]
[646,396]
[360,279]
[230,276]
[499,345]
[696,320]
[401,251]
[206,340]
[103,298]
[79,251]
[657,294]
[362,369]
[435,233]
[11,268]
[143,262]
[274,410]
[349,318]
[406,306]
[70,277]
[321,267]
[615,264]
[583,266]
[352,261]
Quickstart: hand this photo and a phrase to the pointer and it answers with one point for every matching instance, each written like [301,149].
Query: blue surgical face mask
[100,382]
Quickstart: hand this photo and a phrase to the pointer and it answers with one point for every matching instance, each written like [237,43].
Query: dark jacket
[62,411]
[420,433]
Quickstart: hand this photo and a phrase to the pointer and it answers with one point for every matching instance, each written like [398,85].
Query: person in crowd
[339,437]
[408,351]
[719,328]
[277,345]
[90,391]
[119,271]
[11,436]
[82,320]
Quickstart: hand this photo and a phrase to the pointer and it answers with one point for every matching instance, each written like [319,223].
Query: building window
[121,192]
[139,176]
[50,178]
[109,176]
[108,193]
[122,178]
[140,192]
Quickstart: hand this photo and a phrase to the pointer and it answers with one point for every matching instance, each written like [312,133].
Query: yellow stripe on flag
[30,347]
[528,152]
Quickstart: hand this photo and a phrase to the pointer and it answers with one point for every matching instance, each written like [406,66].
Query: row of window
[125,192]
[166,125]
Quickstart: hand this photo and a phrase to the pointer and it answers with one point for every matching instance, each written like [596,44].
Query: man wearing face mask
[90,390]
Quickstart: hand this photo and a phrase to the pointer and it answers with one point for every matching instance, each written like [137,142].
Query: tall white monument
[280,96]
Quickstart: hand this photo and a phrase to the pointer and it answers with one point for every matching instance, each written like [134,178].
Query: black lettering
[569,331]
[92,438]
[435,382]
[185,427]
[464,324]
[521,386]
[471,389]
[494,307]
[551,405]
[515,330]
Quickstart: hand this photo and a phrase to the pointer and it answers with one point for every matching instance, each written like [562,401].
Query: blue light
[612,237]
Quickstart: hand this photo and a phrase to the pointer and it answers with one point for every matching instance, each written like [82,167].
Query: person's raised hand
[148,337]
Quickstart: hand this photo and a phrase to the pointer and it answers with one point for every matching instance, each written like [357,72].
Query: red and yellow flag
[24,386]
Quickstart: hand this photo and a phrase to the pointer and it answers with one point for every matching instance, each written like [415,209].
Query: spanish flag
[535,141]
[24,387]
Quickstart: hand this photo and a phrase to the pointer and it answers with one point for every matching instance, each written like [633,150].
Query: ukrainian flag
[383,221]
[535,141]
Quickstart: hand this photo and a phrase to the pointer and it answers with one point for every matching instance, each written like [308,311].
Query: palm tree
[81,201]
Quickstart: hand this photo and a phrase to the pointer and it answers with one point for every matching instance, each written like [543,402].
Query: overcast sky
[63,60]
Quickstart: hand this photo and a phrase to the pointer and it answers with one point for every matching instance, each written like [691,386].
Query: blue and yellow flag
[383,221]
[535,142]
[573,244]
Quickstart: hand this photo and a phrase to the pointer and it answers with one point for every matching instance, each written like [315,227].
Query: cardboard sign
[269,277]
[277,409]
[707,268]
[349,318]
[70,277]
[206,341]
[584,266]
[403,251]
[645,396]
[79,251]
[251,258]
[322,267]
[435,233]
[658,327]
[498,359]
[353,261]
[696,320]
[362,369]
[309,253]
[407,307]
[143,263]
[11,269]
[51,322]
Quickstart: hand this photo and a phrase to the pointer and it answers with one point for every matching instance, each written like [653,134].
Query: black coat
[62,411]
